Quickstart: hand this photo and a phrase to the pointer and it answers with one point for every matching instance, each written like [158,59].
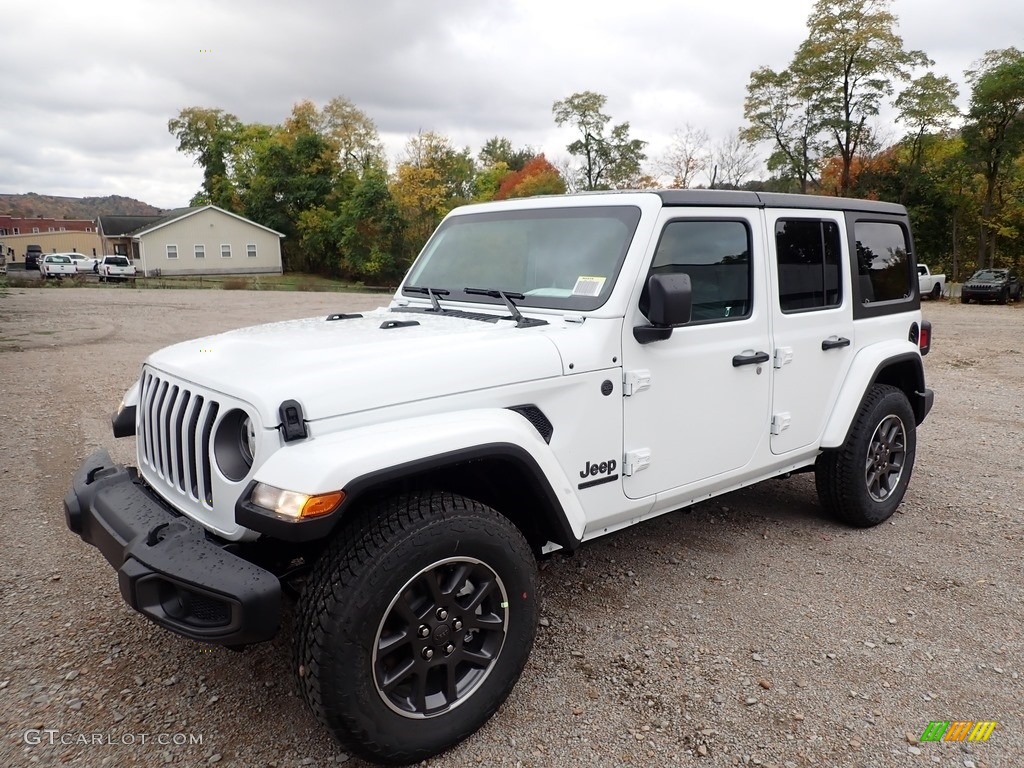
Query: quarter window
[716,256]
[172,251]
[883,261]
[807,253]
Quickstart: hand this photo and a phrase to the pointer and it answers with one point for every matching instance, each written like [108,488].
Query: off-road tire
[847,478]
[936,292]
[377,571]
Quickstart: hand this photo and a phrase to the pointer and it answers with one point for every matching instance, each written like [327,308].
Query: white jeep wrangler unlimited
[550,370]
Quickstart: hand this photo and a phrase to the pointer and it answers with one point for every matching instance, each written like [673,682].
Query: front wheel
[1004,297]
[863,481]
[415,624]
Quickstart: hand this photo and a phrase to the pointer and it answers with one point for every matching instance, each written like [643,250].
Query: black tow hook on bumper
[168,567]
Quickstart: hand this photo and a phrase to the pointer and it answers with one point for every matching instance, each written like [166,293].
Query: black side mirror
[670,304]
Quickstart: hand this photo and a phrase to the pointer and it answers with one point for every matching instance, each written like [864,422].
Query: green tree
[207,135]
[778,113]
[994,132]
[355,136]
[432,178]
[488,180]
[294,172]
[610,158]
[927,107]
[370,232]
[498,149]
[845,68]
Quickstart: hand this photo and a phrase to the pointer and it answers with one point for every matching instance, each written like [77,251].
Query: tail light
[924,342]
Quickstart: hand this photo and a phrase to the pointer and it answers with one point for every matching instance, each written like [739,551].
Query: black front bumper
[168,567]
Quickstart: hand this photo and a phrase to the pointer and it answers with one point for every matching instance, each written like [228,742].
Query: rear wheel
[415,625]
[936,291]
[863,482]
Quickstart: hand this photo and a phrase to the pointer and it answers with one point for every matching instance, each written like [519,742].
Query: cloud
[87,100]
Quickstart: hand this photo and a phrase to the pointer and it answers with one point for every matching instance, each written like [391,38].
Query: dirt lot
[748,630]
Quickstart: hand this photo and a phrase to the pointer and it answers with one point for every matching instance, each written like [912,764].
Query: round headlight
[234,445]
[247,441]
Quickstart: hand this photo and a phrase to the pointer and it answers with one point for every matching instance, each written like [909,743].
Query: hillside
[32,205]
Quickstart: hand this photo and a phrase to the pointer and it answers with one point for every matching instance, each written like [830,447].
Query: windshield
[990,274]
[563,258]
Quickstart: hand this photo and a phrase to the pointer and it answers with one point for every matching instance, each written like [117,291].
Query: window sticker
[588,286]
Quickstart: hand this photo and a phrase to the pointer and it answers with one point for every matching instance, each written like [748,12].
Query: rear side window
[883,261]
[807,252]
[716,256]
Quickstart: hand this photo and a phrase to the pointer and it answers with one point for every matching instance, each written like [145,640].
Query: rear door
[812,322]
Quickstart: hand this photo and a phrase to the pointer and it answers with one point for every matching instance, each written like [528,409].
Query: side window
[716,256]
[883,261]
[807,252]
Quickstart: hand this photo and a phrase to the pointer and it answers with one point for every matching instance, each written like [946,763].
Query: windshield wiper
[505,296]
[432,293]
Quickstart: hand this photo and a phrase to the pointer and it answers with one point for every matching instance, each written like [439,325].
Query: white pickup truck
[115,268]
[56,265]
[932,286]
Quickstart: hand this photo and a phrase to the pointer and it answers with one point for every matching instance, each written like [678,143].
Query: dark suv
[33,256]
[992,285]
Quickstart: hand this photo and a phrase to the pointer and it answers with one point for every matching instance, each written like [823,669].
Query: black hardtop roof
[741,199]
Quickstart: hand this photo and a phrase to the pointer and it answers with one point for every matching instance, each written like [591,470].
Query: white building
[193,241]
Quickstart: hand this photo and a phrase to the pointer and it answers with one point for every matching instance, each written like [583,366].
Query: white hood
[334,367]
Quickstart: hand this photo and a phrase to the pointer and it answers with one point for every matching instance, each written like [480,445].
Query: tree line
[322,178]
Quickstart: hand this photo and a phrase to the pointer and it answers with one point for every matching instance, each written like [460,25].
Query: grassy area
[291,281]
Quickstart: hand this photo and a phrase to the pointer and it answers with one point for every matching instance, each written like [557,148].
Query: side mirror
[670,304]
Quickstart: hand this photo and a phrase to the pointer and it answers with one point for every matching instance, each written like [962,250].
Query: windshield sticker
[588,286]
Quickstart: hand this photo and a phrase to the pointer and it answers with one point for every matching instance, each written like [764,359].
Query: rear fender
[892,362]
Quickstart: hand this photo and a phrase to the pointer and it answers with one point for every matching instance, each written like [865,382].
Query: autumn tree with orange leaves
[538,177]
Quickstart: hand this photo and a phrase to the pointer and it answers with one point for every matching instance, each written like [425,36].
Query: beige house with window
[193,241]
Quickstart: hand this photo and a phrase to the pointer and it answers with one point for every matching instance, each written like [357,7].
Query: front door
[700,400]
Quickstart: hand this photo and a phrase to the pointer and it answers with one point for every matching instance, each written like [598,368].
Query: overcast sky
[86,89]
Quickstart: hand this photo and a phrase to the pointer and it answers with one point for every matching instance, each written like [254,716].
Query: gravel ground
[747,630]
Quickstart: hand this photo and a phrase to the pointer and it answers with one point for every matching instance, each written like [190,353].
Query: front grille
[175,430]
